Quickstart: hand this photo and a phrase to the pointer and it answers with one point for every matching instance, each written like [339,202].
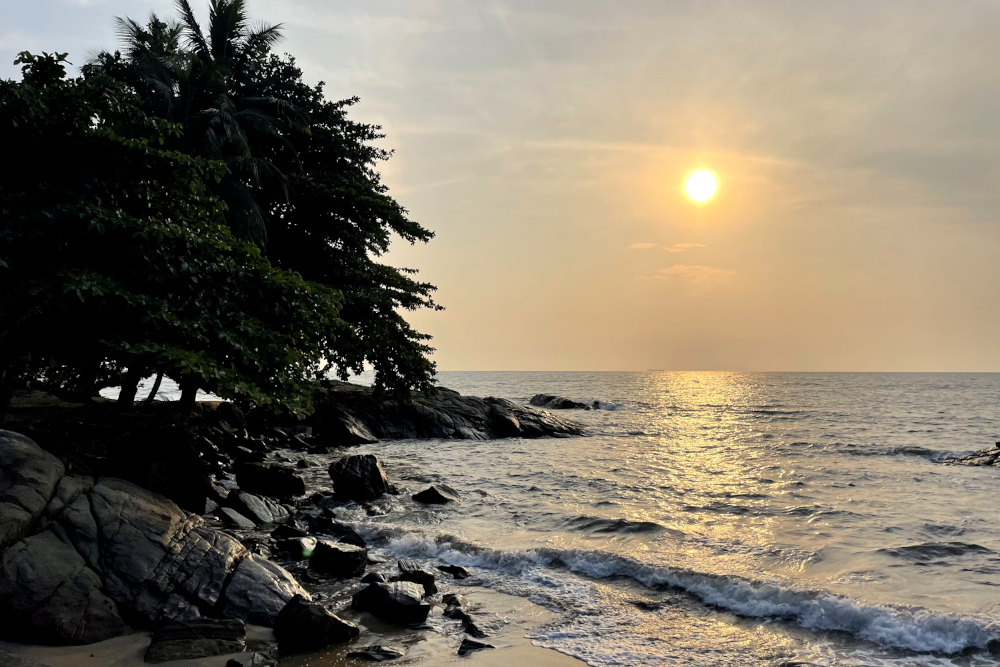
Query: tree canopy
[190,206]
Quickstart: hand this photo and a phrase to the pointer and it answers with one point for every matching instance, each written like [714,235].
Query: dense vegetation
[189,206]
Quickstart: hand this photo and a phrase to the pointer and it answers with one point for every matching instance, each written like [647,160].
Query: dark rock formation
[297,548]
[359,478]
[258,509]
[338,560]
[553,402]
[229,515]
[378,653]
[323,525]
[438,494]
[270,480]
[98,555]
[984,457]
[307,626]
[410,571]
[446,414]
[456,571]
[339,428]
[470,645]
[199,638]
[400,602]
[372,578]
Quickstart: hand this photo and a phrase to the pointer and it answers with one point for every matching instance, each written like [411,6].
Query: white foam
[887,626]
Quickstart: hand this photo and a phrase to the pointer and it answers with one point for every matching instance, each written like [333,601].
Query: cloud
[641,246]
[681,247]
[695,273]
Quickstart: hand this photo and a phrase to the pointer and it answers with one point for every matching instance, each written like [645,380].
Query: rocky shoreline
[227,533]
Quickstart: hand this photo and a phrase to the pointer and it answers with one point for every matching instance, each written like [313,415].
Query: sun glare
[701,185]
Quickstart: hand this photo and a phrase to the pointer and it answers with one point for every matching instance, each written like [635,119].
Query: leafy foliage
[113,255]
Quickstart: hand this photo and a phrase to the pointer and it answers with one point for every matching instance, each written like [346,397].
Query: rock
[438,494]
[339,560]
[339,428]
[378,653]
[470,645]
[28,479]
[410,571]
[257,509]
[472,629]
[444,414]
[297,547]
[308,626]
[259,590]
[305,463]
[288,530]
[233,662]
[49,595]
[199,638]
[326,526]
[229,515]
[270,480]
[372,578]
[400,602]
[553,402]
[456,571]
[454,600]
[359,478]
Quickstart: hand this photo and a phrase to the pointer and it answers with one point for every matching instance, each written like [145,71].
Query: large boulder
[49,595]
[258,509]
[360,478]
[338,559]
[308,626]
[338,428]
[259,590]
[400,602]
[270,480]
[98,556]
[199,638]
[28,479]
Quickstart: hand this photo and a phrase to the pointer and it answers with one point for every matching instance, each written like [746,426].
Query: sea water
[724,518]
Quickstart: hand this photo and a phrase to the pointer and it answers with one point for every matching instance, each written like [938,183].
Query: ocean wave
[888,626]
[596,524]
[935,550]
[932,455]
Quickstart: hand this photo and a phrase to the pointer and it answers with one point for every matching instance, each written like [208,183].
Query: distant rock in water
[438,494]
[87,555]
[553,402]
[984,457]
[446,414]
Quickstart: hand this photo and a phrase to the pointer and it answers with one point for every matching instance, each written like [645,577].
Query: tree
[303,174]
[114,262]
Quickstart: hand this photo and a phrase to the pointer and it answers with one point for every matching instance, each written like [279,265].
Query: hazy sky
[857,222]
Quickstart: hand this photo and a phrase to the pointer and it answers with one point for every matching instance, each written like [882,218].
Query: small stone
[438,494]
[470,645]
[305,463]
[456,571]
[377,653]
[411,571]
[472,629]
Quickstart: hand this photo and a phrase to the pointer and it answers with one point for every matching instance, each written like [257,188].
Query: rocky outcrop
[305,626]
[445,414]
[270,480]
[984,457]
[98,556]
[360,478]
[400,602]
[553,402]
[338,560]
[411,571]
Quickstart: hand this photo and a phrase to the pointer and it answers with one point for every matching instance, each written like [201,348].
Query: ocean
[724,518]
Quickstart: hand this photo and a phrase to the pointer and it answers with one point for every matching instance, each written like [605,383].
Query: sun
[701,185]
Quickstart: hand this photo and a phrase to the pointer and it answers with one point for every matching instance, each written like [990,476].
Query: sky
[856,226]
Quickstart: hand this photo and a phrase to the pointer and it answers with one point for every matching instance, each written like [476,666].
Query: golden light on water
[701,185]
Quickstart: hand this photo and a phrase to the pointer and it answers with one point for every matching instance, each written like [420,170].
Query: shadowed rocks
[199,638]
[359,478]
[305,626]
[400,602]
[439,494]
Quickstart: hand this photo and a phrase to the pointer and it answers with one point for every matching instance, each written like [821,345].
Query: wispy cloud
[681,247]
[641,246]
[694,273]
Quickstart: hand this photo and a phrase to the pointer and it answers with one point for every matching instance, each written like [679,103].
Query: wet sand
[508,618]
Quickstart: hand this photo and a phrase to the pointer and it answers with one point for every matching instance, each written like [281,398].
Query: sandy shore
[511,617]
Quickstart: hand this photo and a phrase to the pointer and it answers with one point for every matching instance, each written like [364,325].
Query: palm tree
[207,84]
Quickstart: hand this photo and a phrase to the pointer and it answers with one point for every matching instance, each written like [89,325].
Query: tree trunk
[189,392]
[152,392]
[130,385]
[7,380]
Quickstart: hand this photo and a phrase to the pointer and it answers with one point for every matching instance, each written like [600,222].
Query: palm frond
[194,34]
